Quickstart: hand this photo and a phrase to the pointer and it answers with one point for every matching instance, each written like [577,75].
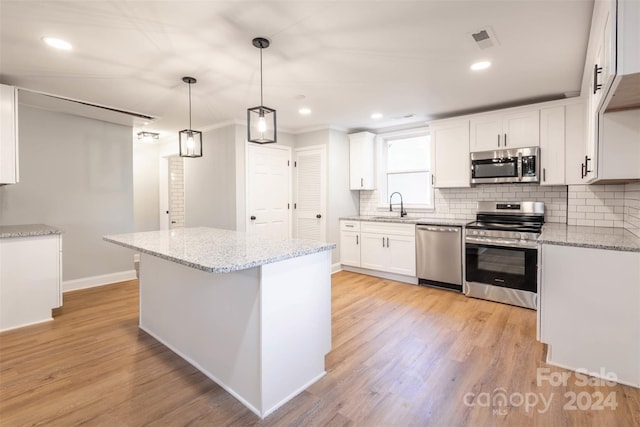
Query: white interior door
[310,201]
[268,191]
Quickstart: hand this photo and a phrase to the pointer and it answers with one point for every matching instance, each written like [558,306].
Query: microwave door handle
[519,166]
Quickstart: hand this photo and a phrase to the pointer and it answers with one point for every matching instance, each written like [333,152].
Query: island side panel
[296,325]
[209,319]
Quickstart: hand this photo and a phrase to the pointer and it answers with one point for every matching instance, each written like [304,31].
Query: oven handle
[527,244]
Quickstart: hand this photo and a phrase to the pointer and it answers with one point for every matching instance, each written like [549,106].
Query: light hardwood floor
[402,355]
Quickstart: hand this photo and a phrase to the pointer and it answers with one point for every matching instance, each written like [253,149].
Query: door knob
[318,216]
[252,218]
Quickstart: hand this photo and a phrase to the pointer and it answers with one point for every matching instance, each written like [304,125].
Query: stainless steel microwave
[502,166]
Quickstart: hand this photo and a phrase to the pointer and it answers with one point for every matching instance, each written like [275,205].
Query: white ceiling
[343,59]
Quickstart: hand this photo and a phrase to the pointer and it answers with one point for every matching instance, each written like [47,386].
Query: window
[406,168]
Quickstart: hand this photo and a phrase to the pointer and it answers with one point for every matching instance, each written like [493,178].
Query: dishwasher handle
[440,229]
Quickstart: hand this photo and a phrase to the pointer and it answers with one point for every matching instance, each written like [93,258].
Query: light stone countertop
[217,251]
[617,239]
[27,230]
[410,220]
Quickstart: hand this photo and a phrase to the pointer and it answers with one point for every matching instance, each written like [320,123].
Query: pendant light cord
[261,101]
[189,106]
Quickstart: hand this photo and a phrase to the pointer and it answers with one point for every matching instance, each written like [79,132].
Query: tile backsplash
[596,205]
[461,203]
[587,205]
[632,208]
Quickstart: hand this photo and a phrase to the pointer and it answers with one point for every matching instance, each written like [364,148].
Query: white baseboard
[336,267]
[382,274]
[93,281]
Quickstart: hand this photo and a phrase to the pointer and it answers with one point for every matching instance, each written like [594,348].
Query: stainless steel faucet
[402,211]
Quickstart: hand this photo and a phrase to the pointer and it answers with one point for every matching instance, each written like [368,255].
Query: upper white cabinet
[510,129]
[450,141]
[552,145]
[8,135]
[362,150]
[610,83]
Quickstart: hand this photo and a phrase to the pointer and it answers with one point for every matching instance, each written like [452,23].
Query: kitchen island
[253,314]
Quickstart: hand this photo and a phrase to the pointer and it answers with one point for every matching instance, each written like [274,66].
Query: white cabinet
[350,243]
[590,310]
[362,161]
[610,81]
[450,141]
[30,279]
[8,135]
[388,247]
[552,145]
[508,129]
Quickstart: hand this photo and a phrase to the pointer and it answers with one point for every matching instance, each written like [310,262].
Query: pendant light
[261,120]
[190,140]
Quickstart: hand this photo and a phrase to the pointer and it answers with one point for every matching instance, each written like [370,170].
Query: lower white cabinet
[350,243]
[388,247]
[30,279]
[589,311]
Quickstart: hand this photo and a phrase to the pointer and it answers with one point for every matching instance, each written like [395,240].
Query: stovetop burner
[519,219]
[525,227]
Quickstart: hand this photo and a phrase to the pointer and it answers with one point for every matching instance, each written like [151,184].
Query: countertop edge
[231,268]
[28,230]
[606,238]
[414,221]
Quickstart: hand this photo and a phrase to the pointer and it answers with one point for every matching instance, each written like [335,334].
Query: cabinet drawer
[348,225]
[388,228]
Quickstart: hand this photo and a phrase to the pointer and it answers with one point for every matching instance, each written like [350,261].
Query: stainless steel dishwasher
[439,256]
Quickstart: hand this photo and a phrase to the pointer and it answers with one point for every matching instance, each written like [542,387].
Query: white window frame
[383,202]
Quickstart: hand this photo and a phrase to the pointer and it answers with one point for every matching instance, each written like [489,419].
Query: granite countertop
[617,239]
[217,251]
[405,220]
[27,230]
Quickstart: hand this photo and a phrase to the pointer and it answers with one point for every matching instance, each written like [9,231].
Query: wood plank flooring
[402,355]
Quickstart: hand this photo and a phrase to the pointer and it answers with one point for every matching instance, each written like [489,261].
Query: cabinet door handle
[387,242]
[433,180]
[498,140]
[383,242]
[318,216]
[361,182]
[596,70]
[586,165]
[252,218]
[357,240]
[505,139]
[582,174]
[544,174]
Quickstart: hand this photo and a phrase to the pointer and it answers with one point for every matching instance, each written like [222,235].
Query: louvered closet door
[310,194]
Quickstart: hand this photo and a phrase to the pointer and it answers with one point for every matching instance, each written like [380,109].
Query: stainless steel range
[501,252]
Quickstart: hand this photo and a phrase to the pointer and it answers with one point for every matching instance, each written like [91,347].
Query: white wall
[210,181]
[145,186]
[76,174]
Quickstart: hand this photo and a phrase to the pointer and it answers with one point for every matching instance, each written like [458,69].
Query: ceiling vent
[484,38]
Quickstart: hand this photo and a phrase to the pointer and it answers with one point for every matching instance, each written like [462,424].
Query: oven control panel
[516,235]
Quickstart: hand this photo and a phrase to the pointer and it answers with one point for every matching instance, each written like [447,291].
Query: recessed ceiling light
[57,43]
[376,116]
[304,111]
[482,65]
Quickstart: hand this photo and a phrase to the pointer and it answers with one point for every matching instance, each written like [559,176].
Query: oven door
[499,262]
